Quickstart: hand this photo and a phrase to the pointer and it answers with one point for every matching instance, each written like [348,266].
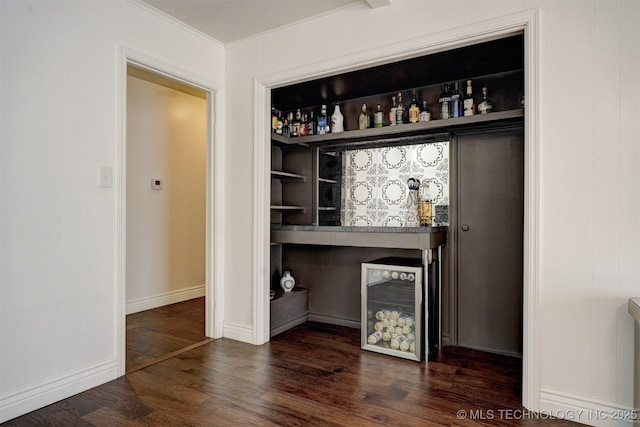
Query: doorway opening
[167,214]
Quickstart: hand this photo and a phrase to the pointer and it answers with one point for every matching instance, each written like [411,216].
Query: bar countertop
[380,237]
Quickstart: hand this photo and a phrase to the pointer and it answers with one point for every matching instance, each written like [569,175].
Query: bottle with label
[295,130]
[304,126]
[456,101]
[274,119]
[425,113]
[289,124]
[363,119]
[400,112]
[425,209]
[486,105]
[414,109]
[323,124]
[311,125]
[468,103]
[337,120]
[279,124]
[378,118]
[392,112]
[444,102]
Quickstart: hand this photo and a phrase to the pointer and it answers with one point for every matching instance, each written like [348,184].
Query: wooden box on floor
[289,309]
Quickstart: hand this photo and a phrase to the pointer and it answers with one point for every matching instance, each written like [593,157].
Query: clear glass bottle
[425,205]
[456,101]
[414,109]
[485,105]
[444,102]
[378,118]
[337,120]
[469,104]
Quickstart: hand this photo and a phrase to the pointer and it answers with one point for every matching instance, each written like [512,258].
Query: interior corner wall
[59,85]
[589,163]
[165,248]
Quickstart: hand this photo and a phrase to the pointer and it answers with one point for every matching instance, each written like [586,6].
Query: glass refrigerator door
[392,310]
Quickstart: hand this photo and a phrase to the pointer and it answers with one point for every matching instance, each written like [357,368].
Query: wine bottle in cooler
[374,337]
[456,101]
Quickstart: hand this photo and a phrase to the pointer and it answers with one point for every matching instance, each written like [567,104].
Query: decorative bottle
[363,119]
[287,282]
[337,120]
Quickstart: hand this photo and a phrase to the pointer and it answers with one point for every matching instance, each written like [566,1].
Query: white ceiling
[231,20]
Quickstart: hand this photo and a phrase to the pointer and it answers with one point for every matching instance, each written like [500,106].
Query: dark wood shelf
[287,208]
[287,176]
[408,129]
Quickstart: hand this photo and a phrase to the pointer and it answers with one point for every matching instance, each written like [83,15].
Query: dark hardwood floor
[312,375]
[163,331]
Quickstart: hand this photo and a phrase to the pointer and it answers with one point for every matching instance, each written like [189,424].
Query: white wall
[590,163]
[167,140]
[58,231]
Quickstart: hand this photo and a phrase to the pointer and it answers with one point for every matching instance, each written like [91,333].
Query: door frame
[528,22]
[214,250]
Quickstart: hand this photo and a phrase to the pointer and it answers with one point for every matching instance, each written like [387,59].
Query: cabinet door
[490,240]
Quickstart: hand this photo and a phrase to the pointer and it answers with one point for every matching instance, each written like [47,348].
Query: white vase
[412,218]
[287,282]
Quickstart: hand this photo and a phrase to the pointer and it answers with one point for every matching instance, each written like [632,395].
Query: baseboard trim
[237,332]
[582,410]
[331,320]
[167,298]
[29,399]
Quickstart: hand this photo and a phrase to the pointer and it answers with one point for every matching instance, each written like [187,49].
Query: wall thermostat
[156,184]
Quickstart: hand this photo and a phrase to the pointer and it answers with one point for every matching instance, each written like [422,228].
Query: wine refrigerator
[392,307]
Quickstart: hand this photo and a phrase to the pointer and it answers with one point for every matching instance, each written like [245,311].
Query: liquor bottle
[295,131]
[414,109]
[469,104]
[456,101]
[392,112]
[289,125]
[400,113]
[311,125]
[363,119]
[486,105]
[279,124]
[378,118]
[425,113]
[304,126]
[444,102]
[323,124]
[425,206]
[337,120]
[274,119]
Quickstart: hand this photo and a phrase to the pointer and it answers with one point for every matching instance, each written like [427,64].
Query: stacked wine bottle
[390,327]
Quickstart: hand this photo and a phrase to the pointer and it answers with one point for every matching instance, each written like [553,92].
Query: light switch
[156,184]
[106,177]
